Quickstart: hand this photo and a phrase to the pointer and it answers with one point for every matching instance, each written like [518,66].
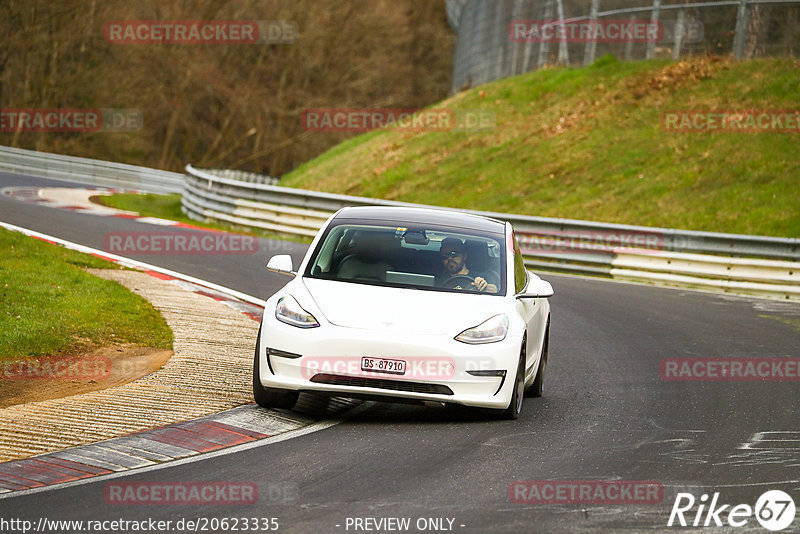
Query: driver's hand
[481,285]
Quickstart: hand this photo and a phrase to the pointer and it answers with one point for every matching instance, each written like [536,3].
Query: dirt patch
[678,74]
[38,379]
[567,121]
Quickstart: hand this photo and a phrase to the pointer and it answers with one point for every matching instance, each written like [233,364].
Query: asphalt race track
[607,415]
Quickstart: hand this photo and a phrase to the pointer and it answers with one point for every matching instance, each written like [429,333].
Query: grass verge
[49,305]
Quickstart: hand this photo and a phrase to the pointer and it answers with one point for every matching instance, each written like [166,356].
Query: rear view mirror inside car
[415,237]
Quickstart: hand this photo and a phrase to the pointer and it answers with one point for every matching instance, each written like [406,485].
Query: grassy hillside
[588,143]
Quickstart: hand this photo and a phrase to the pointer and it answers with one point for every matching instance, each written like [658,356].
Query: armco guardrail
[91,171]
[739,263]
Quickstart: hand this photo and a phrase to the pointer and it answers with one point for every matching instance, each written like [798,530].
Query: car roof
[412,215]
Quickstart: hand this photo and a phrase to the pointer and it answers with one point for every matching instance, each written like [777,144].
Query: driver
[454,261]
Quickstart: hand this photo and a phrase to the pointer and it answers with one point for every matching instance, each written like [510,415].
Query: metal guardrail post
[563,53]
[591,47]
[527,53]
[629,43]
[501,68]
[544,46]
[654,16]
[678,40]
[741,30]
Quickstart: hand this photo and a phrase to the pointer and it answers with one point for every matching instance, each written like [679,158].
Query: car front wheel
[269,397]
[515,406]
[537,387]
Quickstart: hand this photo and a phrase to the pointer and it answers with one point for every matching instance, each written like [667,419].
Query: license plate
[383,365]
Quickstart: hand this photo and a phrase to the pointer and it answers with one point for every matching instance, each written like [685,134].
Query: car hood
[416,311]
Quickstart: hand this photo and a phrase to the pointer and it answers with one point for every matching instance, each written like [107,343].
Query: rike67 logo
[774,510]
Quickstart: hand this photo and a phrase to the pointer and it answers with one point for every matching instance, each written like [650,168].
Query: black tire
[515,406]
[269,397]
[536,389]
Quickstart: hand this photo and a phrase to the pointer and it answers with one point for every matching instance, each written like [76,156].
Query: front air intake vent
[381,383]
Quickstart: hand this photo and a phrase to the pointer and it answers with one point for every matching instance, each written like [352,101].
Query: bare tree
[232,105]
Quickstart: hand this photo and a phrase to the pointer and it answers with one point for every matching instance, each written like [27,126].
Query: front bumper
[329,359]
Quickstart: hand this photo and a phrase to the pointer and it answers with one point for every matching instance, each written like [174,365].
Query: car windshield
[419,257]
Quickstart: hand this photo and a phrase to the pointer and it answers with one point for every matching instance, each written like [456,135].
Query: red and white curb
[138,450]
[241,428]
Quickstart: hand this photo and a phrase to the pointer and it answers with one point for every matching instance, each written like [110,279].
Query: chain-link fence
[500,38]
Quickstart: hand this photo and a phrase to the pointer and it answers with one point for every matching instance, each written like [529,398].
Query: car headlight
[490,331]
[290,312]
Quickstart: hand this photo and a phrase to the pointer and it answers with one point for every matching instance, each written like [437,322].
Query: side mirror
[282,263]
[537,288]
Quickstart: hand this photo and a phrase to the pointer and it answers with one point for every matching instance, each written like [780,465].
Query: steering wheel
[457,281]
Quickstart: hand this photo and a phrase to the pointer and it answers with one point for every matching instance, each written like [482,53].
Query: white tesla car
[406,304]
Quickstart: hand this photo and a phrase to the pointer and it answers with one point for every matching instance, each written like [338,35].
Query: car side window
[520,273]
